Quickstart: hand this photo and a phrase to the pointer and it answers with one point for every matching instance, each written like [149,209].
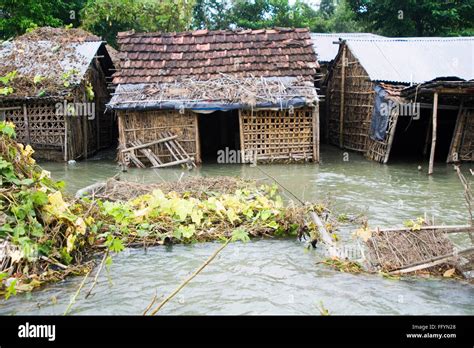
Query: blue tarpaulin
[380,114]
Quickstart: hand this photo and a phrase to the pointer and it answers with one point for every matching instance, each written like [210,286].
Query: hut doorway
[219,131]
[413,137]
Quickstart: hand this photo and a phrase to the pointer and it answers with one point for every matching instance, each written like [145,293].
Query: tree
[211,14]
[327,7]
[416,17]
[108,17]
[17,16]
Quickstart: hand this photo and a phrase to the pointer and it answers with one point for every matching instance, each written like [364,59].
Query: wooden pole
[27,124]
[66,138]
[341,107]
[316,134]
[198,159]
[433,137]
[241,133]
[456,140]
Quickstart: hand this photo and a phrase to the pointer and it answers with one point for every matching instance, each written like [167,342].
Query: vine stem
[183,284]
[73,299]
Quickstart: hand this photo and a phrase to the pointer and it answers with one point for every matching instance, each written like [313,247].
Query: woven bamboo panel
[46,127]
[466,150]
[379,151]
[277,135]
[16,116]
[147,126]
[358,104]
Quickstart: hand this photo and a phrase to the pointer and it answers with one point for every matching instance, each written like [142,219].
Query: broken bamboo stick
[433,137]
[149,144]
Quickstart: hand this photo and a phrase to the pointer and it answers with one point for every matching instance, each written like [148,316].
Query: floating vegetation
[345,266]
[46,235]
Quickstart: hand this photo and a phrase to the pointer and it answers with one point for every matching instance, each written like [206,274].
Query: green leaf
[240,234]
[11,289]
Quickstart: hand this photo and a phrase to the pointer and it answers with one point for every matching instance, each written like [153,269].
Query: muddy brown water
[273,276]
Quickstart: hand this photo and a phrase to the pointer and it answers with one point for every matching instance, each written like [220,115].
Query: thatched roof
[225,92]
[203,54]
[58,57]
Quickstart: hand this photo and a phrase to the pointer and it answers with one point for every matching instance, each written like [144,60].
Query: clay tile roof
[204,54]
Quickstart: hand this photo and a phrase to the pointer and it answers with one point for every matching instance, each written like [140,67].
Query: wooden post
[341,106]
[66,139]
[433,137]
[241,132]
[316,135]
[27,124]
[458,130]
[198,140]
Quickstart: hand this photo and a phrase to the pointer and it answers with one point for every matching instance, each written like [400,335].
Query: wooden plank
[433,137]
[149,144]
[441,229]
[136,161]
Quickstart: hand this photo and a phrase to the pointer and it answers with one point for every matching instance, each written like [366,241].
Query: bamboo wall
[148,126]
[38,124]
[462,145]
[350,86]
[280,135]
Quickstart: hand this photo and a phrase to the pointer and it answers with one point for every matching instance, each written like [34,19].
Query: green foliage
[108,17]
[240,234]
[20,16]
[415,17]
[5,81]
[89,91]
[69,76]
[11,290]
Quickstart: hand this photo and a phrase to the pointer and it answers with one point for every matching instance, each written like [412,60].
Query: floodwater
[273,276]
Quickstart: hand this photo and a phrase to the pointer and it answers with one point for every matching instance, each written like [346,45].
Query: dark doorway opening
[218,131]
[413,137]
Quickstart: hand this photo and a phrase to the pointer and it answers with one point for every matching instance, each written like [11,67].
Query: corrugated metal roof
[415,60]
[47,58]
[324,45]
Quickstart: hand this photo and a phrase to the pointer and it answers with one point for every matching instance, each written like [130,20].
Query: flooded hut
[400,97]
[195,95]
[53,87]
[326,46]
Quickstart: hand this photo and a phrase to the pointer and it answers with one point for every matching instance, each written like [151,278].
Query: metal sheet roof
[324,45]
[415,60]
[46,58]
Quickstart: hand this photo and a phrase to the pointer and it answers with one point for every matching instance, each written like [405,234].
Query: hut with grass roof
[186,96]
[53,87]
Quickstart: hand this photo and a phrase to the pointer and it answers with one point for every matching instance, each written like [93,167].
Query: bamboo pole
[73,299]
[458,130]
[141,146]
[391,136]
[97,274]
[183,284]
[197,138]
[316,134]
[433,137]
[431,262]
[341,106]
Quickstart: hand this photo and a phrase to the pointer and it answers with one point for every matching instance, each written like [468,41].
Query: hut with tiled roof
[249,90]
[53,87]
